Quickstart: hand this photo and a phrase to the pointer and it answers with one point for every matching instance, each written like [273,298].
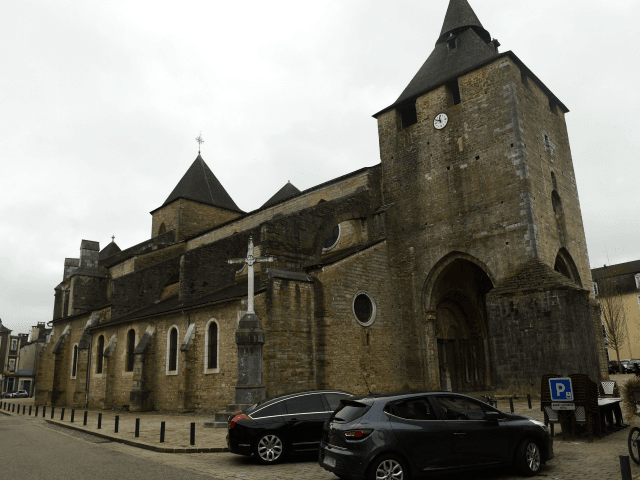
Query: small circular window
[332,239]
[364,308]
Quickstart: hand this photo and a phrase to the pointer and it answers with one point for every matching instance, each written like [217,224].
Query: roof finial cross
[200,141]
[113,237]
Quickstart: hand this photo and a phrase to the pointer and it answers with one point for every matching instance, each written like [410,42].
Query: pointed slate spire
[288,190]
[460,16]
[109,250]
[201,185]
[471,46]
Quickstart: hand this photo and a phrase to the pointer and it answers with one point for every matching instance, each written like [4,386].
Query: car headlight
[538,423]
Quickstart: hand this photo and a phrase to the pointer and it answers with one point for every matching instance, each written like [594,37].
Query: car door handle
[291,420]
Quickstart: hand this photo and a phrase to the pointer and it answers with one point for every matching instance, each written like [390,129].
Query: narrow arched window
[100,354]
[173,350]
[74,364]
[213,345]
[131,346]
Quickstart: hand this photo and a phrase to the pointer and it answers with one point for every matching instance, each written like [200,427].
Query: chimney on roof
[89,254]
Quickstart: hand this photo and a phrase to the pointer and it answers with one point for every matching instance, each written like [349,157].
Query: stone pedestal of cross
[250,339]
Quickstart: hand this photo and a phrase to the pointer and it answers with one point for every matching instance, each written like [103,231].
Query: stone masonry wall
[343,354]
[540,333]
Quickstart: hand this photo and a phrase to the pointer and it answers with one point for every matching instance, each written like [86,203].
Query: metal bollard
[62,414]
[29,410]
[85,418]
[73,414]
[37,410]
[24,409]
[117,424]
[625,467]
[511,403]
[529,400]
[14,408]
[137,427]
[161,432]
[99,421]
[193,434]
[52,410]
[44,411]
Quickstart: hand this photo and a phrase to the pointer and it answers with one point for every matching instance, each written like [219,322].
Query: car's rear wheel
[528,457]
[269,449]
[388,467]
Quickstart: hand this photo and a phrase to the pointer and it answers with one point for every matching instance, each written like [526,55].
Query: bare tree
[613,315]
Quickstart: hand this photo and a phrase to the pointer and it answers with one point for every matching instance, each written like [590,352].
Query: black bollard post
[13,410]
[161,432]
[625,467]
[85,418]
[24,409]
[52,410]
[29,410]
[117,424]
[511,403]
[193,434]
[62,414]
[529,400]
[44,411]
[73,414]
[36,410]
[137,427]
[99,421]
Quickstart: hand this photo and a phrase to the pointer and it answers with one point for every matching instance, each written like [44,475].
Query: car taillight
[357,434]
[236,418]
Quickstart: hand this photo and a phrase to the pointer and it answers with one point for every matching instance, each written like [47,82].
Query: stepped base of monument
[220,418]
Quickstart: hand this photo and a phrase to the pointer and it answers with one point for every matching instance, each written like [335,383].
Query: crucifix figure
[250,260]
[200,142]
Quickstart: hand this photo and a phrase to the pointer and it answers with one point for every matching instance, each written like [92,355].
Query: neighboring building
[10,381]
[624,280]
[459,262]
[5,335]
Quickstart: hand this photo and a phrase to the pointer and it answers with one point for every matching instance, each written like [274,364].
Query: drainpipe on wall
[86,395]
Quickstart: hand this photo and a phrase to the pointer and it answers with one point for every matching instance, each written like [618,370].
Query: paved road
[36,449]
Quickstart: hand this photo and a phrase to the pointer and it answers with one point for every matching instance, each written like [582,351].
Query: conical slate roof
[474,47]
[109,250]
[287,191]
[201,185]
[459,16]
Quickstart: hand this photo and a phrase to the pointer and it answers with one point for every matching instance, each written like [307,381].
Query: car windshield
[349,410]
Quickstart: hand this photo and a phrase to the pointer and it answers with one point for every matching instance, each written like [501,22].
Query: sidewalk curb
[139,444]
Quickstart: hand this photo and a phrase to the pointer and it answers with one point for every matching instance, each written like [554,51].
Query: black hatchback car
[278,426]
[398,436]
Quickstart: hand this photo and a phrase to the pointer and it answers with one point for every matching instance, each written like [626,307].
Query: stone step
[212,424]
[234,407]
[222,416]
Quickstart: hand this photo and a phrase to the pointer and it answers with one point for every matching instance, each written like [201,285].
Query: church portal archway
[457,296]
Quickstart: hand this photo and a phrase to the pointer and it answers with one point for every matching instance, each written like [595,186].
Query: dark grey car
[404,435]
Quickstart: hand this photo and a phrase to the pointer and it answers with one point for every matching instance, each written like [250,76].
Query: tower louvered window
[100,354]
[131,345]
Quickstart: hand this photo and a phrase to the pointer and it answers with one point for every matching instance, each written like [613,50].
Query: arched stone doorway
[461,331]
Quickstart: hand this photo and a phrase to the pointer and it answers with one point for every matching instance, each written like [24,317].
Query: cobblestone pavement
[577,459]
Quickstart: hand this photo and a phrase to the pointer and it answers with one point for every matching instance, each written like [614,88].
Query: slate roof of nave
[289,190]
[230,292]
[201,185]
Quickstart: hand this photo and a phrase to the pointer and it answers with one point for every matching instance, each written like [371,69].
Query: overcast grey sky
[100,103]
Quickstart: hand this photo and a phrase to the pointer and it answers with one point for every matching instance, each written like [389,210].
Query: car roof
[270,400]
[405,394]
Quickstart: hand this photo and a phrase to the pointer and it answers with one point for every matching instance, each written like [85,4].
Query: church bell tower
[475,156]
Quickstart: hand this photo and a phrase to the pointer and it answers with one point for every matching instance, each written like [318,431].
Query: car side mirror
[492,416]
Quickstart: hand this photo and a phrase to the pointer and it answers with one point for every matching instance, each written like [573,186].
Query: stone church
[458,262]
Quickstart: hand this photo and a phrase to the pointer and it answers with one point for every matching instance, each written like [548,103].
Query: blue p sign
[561,389]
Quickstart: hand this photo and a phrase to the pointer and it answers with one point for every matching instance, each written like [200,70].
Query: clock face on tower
[440,121]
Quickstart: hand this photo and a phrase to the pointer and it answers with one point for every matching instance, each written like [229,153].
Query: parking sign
[561,389]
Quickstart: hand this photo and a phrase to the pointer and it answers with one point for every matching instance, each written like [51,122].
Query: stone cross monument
[250,339]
